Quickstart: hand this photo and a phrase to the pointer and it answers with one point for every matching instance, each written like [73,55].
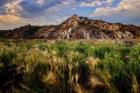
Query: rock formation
[76,28]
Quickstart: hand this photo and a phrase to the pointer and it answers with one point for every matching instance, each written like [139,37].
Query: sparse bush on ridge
[37,66]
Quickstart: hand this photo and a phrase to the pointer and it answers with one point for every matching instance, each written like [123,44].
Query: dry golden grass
[69,67]
[50,79]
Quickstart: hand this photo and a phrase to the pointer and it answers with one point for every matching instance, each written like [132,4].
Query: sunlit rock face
[76,28]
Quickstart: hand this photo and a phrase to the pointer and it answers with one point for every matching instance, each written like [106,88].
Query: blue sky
[14,13]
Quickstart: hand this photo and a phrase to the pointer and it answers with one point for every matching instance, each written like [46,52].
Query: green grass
[39,66]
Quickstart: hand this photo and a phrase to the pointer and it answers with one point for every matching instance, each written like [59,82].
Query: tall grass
[37,66]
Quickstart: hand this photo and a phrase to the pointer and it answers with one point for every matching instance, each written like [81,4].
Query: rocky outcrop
[76,28]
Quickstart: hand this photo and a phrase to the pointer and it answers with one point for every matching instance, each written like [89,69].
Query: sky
[15,13]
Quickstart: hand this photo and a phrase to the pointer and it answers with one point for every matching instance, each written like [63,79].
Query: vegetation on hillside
[37,66]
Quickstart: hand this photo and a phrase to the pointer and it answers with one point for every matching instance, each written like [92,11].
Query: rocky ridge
[75,28]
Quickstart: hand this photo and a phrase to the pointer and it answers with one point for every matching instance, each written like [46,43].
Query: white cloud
[110,1]
[91,4]
[40,2]
[65,3]
[95,3]
[126,6]
[13,8]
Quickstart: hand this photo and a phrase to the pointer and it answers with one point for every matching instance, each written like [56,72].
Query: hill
[75,27]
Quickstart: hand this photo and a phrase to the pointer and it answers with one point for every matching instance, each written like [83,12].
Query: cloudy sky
[14,13]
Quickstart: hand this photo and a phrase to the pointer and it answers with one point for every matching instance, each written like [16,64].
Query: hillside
[75,28]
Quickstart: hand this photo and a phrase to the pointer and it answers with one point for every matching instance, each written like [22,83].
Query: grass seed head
[50,78]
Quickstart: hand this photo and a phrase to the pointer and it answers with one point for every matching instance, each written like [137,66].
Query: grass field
[39,66]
